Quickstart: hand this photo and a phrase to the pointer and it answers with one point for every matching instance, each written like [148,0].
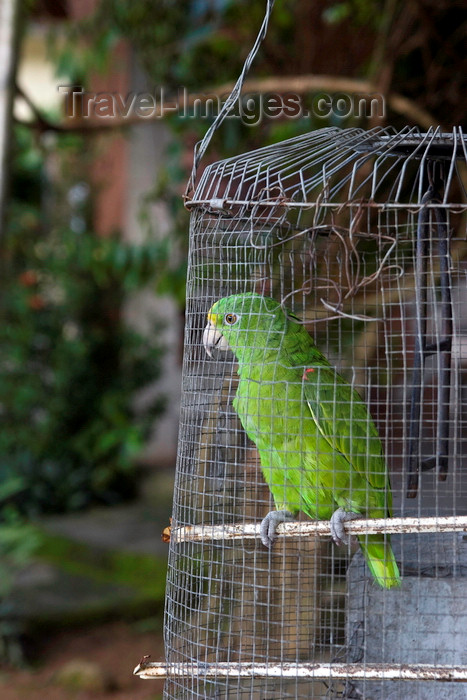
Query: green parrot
[320,451]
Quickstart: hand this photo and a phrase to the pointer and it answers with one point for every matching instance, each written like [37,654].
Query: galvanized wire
[234,96]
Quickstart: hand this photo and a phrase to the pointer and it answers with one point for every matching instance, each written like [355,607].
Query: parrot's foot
[269,525]
[338,518]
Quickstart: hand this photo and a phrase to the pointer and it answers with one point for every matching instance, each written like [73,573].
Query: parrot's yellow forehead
[213,318]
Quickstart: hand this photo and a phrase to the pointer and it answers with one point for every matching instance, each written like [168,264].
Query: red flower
[36,302]
[28,278]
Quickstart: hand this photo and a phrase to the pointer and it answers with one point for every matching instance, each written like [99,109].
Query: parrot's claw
[269,525]
[338,518]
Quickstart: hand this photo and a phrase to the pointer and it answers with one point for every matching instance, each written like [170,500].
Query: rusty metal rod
[421,304]
[444,379]
[251,531]
[431,227]
[368,671]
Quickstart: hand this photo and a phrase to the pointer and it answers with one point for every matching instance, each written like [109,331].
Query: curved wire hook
[201,147]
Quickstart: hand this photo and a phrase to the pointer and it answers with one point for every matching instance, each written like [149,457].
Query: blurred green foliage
[71,365]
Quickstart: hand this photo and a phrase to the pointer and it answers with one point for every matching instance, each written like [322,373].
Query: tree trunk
[9,34]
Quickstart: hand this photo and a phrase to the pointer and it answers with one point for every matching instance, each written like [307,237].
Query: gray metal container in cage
[328,380]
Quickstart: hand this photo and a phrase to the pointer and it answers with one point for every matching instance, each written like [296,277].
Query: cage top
[418,145]
[333,166]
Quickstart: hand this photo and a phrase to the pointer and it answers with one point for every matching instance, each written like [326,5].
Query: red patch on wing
[307,371]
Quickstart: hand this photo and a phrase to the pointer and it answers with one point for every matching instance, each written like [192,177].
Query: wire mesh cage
[330,378]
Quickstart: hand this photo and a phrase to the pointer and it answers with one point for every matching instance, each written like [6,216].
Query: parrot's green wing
[343,420]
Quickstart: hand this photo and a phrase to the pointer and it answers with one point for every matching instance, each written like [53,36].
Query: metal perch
[243,531]
[401,672]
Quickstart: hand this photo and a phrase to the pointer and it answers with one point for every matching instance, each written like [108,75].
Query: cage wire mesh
[362,236]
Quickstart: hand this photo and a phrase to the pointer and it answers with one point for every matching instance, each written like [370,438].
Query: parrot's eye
[230,319]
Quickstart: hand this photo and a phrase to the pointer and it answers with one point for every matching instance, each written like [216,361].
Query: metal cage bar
[209,533]
[153,670]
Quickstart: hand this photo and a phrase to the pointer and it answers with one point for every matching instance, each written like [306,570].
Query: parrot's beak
[212,338]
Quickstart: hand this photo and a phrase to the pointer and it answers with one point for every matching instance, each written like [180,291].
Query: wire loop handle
[201,146]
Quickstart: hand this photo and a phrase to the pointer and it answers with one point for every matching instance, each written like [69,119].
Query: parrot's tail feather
[380,559]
